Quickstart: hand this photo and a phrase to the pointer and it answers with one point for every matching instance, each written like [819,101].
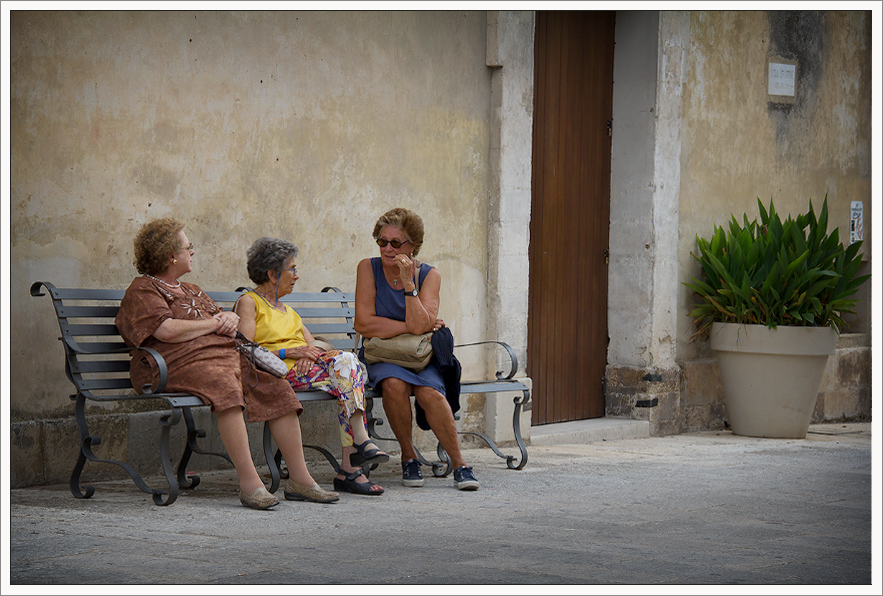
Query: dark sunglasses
[382,242]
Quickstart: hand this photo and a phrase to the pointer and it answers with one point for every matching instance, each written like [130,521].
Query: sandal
[350,485]
[364,455]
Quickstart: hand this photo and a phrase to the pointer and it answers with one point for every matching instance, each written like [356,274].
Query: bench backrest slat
[73,311]
[91,330]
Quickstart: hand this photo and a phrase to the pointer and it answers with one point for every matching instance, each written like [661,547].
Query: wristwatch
[411,293]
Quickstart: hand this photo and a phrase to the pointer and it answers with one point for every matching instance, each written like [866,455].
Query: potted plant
[772,296]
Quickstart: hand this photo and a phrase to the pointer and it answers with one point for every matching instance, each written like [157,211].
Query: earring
[174,261]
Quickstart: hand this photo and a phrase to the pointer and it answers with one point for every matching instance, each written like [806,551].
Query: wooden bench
[97,363]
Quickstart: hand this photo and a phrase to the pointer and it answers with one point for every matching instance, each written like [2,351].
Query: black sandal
[350,485]
[363,455]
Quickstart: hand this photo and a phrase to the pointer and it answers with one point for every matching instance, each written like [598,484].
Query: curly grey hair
[268,254]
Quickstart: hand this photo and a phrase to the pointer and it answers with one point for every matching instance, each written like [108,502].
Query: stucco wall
[739,145]
[301,125]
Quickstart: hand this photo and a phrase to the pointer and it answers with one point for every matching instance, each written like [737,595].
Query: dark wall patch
[797,35]
[800,35]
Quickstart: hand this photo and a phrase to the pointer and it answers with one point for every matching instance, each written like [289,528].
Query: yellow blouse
[276,329]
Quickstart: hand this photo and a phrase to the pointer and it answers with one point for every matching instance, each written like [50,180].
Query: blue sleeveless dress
[390,303]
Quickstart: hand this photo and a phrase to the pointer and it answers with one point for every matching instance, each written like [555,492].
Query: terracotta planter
[771,377]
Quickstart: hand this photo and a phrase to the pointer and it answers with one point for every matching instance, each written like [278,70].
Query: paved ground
[691,510]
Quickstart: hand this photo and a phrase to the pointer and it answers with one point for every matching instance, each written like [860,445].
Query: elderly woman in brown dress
[196,339]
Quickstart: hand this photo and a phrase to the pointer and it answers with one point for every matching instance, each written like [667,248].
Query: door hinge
[606,256]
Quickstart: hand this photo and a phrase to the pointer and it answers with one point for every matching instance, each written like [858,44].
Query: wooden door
[570,214]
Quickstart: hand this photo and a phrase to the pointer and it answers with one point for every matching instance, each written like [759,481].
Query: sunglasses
[382,242]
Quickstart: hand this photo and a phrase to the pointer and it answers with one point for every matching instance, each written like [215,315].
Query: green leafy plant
[776,273]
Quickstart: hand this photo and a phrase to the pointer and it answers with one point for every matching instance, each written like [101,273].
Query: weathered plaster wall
[300,125]
[738,146]
[303,125]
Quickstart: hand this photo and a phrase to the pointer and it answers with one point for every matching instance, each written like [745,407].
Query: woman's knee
[393,388]
[428,397]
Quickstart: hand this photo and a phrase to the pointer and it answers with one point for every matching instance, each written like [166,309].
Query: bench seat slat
[491,386]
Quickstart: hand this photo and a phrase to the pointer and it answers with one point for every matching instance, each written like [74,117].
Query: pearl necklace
[167,284]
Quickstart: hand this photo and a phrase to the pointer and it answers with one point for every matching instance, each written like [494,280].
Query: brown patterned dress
[208,366]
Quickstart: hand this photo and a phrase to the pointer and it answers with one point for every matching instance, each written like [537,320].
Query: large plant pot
[771,377]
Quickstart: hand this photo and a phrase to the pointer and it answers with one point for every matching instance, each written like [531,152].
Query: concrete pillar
[643,377]
[510,55]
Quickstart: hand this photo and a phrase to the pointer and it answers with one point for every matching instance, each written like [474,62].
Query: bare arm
[179,330]
[420,312]
[248,317]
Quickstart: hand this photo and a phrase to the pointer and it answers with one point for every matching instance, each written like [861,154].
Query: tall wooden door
[570,214]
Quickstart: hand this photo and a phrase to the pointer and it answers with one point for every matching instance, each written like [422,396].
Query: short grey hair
[268,254]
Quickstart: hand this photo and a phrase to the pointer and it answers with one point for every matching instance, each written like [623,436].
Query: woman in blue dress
[388,304]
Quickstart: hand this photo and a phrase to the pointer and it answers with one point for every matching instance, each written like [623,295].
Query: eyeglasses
[292,269]
[187,248]
[382,242]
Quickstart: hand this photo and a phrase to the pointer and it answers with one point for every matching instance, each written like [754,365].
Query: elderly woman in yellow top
[276,326]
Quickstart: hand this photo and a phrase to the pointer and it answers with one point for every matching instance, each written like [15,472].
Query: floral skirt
[340,374]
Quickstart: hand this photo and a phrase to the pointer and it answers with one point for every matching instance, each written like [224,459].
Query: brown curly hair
[155,243]
[405,220]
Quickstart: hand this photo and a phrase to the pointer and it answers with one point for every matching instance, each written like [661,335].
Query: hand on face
[406,267]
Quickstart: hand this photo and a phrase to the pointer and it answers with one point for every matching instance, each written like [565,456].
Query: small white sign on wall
[781,79]
[856,223]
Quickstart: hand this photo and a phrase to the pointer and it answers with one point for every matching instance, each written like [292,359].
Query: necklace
[165,283]
[276,304]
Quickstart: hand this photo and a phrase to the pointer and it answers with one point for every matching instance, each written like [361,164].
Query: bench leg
[191,447]
[87,440]
[516,428]
[511,461]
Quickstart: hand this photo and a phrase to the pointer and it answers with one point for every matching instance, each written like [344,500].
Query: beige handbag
[322,343]
[406,350]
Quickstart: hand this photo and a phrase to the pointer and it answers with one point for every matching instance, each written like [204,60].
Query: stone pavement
[691,510]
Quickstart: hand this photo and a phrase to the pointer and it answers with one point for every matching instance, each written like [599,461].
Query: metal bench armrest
[513,359]
[163,372]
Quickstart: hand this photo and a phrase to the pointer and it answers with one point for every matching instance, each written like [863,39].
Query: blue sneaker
[464,479]
[411,474]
